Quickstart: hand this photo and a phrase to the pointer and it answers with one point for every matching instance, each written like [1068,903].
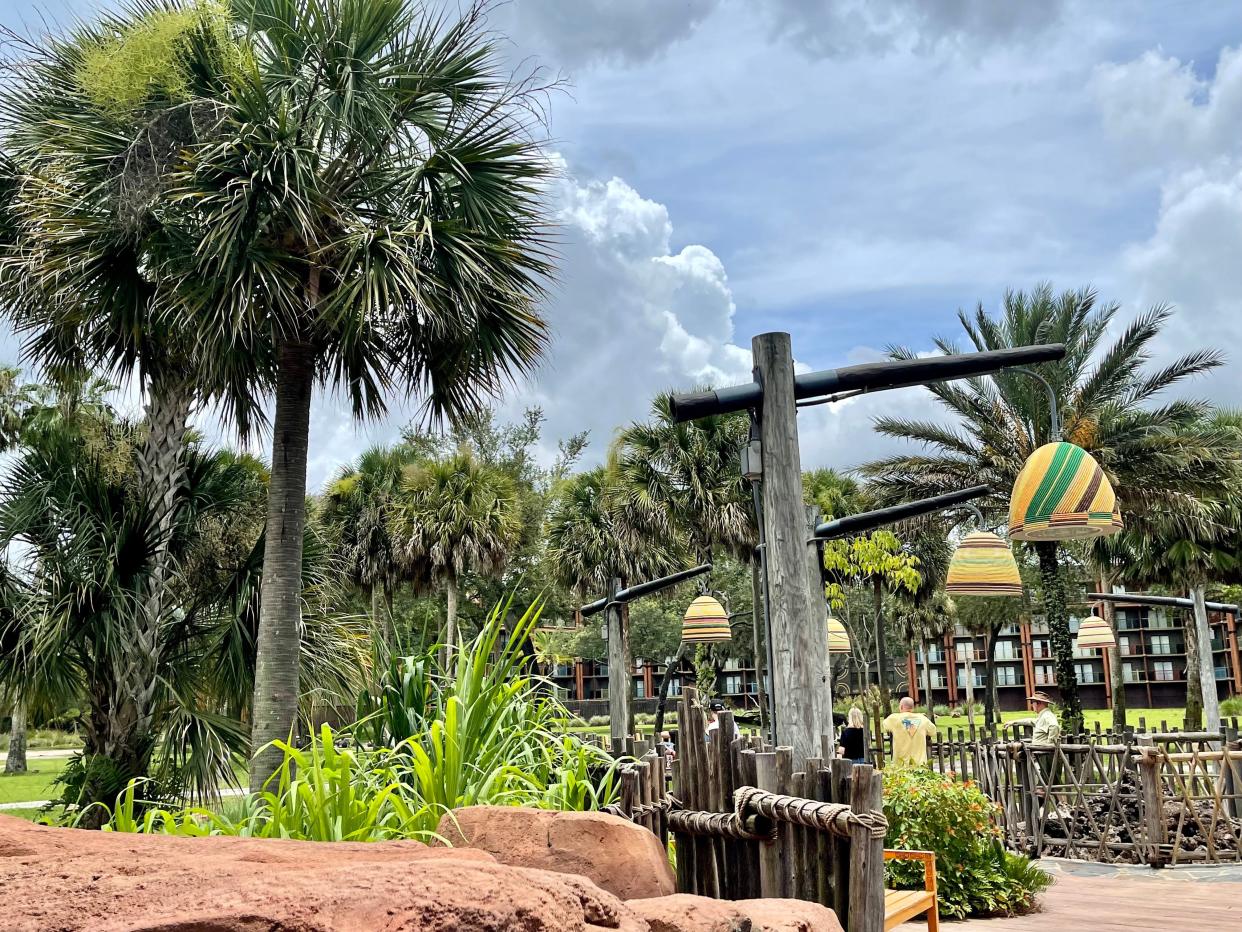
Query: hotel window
[938,679]
[1159,618]
[1009,631]
[1086,673]
[1161,644]
[564,669]
[1222,672]
[1130,674]
[1127,646]
[640,689]
[674,688]
[1162,670]
[1040,649]
[1127,619]
[1006,676]
[733,684]
[1043,674]
[1006,650]
[961,677]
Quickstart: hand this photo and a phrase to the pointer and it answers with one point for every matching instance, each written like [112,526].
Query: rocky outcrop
[557,875]
[615,854]
[70,880]
[684,913]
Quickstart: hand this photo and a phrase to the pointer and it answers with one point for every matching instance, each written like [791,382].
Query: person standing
[852,744]
[910,731]
[713,721]
[1047,726]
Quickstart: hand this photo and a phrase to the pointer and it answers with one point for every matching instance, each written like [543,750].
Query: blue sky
[854,173]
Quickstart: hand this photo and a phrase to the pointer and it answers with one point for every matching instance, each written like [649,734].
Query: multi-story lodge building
[1153,658]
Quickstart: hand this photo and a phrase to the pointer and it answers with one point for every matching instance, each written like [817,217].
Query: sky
[852,173]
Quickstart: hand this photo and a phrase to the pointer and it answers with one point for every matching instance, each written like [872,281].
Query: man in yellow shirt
[910,731]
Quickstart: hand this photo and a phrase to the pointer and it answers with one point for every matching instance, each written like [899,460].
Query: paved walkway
[1106,898]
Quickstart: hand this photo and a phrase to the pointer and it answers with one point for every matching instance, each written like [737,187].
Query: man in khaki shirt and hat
[1047,725]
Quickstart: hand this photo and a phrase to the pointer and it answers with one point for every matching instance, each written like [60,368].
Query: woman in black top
[851,743]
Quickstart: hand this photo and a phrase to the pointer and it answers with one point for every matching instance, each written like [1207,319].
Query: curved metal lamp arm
[977,513]
[1053,418]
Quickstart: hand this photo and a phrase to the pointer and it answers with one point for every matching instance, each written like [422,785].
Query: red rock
[69,880]
[685,913]
[613,853]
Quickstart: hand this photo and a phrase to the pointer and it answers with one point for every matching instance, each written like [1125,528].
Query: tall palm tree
[926,614]
[454,516]
[366,210]
[92,127]
[1155,454]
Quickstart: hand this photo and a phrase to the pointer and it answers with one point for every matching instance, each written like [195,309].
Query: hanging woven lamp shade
[838,637]
[705,621]
[1062,494]
[1095,632]
[983,564]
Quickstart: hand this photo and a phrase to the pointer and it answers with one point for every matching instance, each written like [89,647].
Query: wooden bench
[902,905]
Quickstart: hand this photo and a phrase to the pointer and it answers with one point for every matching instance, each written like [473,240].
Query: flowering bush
[975,876]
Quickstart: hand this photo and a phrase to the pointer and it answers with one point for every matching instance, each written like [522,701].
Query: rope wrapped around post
[669,803]
[834,818]
[751,827]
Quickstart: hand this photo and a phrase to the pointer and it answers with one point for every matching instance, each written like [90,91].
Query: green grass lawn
[34,784]
[1172,717]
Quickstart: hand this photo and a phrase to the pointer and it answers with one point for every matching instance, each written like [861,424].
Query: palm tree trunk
[1056,612]
[1194,659]
[16,760]
[759,640]
[927,682]
[662,693]
[450,612]
[280,614]
[881,652]
[1115,670]
[1207,667]
[970,681]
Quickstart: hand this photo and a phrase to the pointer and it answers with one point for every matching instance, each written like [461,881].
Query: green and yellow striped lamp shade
[1062,494]
[838,637]
[705,621]
[1095,632]
[983,564]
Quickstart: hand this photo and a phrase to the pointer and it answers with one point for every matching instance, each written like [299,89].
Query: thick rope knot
[723,825]
[835,818]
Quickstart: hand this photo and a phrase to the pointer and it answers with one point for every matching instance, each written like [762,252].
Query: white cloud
[1159,110]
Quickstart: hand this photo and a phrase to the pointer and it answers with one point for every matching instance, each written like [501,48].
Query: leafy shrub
[941,710]
[975,876]
[1232,707]
[482,731]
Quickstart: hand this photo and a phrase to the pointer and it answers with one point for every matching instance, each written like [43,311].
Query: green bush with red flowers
[975,875]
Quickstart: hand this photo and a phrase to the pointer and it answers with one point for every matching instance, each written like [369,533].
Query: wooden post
[820,607]
[1151,791]
[1207,660]
[619,684]
[842,780]
[799,647]
[770,876]
[788,845]
[866,910]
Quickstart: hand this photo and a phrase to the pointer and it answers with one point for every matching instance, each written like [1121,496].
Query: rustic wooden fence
[1162,798]
[743,823]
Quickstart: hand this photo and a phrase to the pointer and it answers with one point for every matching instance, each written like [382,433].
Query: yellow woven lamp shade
[1062,494]
[1095,632]
[705,621]
[983,564]
[838,637]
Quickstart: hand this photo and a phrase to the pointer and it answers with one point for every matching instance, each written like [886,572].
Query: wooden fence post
[1151,793]
[866,909]
[770,876]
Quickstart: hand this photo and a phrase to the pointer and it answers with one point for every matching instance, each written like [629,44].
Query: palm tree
[926,614]
[87,536]
[358,508]
[92,127]
[685,480]
[1155,454]
[367,211]
[454,516]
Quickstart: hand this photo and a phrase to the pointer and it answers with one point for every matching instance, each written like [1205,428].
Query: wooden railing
[743,823]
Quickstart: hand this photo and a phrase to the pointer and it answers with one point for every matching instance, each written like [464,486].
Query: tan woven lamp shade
[838,637]
[705,621]
[983,564]
[1095,632]
[1062,494]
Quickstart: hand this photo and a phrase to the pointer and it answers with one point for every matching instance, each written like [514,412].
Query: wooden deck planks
[1107,903]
